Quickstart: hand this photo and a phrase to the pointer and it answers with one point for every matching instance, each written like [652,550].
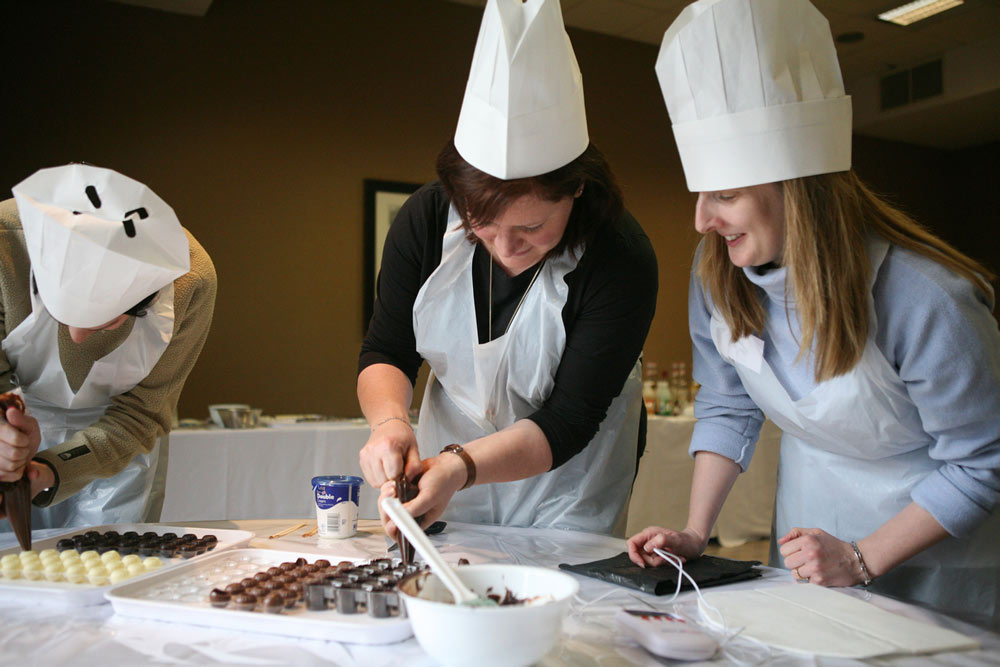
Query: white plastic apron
[851,452]
[478,389]
[33,351]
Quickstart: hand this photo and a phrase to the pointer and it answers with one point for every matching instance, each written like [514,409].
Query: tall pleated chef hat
[99,242]
[523,112]
[754,92]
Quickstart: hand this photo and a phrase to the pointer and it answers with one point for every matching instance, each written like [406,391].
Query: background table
[260,473]
[265,473]
[662,489]
[31,634]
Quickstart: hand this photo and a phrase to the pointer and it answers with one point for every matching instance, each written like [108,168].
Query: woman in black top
[531,309]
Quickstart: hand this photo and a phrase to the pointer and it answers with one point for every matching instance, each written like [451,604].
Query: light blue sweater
[934,328]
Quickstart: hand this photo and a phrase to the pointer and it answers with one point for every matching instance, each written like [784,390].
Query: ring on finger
[795,573]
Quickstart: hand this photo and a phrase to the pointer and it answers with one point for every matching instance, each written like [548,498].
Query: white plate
[149,599]
[78,595]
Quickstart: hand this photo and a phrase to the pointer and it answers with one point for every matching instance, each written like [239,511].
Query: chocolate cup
[17,506]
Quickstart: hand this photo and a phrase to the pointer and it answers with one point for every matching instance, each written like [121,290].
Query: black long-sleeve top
[609,308]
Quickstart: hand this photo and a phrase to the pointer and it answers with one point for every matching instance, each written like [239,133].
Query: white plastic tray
[139,598]
[77,595]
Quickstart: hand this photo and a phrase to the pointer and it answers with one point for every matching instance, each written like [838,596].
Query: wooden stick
[310,533]
[288,530]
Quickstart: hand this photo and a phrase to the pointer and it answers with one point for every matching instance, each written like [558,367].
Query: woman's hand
[819,557]
[20,438]
[391,449]
[443,475]
[686,544]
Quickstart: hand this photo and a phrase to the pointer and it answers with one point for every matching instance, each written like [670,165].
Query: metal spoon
[415,535]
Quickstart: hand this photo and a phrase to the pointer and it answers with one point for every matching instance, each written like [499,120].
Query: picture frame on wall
[383,199]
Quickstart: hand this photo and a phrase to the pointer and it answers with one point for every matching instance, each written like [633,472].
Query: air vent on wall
[911,85]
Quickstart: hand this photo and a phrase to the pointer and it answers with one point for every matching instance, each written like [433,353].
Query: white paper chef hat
[99,242]
[523,112]
[754,93]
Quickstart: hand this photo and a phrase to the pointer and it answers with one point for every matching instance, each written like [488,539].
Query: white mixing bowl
[485,636]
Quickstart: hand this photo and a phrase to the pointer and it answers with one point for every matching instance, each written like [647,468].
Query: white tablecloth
[662,489]
[260,473]
[31,634]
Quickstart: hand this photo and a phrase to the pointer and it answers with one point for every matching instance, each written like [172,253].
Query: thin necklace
[523,296]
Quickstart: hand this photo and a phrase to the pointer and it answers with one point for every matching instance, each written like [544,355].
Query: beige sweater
[136,418]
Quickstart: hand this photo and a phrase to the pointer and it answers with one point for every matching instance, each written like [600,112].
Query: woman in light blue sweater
[868,340]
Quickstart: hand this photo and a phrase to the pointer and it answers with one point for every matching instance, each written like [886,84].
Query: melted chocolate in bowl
[413,584]
[532,602]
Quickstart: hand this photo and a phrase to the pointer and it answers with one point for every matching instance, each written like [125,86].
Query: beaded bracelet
[389,419]
[866,578]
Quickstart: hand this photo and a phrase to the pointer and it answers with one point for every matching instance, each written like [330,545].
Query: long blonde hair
[827,218]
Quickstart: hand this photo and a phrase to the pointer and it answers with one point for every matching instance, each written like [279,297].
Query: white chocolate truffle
[32,569]
[69,556]
[118,576]
[97,578]
[76,574]
[109,556]
[49,559]
[47,552]
[28,555]
[90,554]
[136,569]
[10,561]
[151,563]
[130,559]
[54,571]
[11,573]
[115,565]
[98,568]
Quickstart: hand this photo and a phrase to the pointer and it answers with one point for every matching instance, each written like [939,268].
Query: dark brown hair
[480,197]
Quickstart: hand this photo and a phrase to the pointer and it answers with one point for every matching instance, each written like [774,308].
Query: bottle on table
[664,397]
[679,386]
[649,388]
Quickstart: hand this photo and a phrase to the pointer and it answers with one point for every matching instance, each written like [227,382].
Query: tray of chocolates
[276,592]
[78,567]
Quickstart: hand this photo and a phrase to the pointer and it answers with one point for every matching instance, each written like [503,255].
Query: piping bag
[405,491]
[16,503]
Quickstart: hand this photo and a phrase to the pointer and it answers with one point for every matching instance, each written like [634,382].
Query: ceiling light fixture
[912,12]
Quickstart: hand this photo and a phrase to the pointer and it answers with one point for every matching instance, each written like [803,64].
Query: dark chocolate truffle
[244,602]
[218,598]
[273,603]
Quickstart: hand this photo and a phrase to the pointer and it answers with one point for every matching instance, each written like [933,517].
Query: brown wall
[258,124]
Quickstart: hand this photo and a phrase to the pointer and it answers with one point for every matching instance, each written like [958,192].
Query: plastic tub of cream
[337,498]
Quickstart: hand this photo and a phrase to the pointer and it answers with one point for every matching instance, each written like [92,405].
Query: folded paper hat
[754,92]
[523,112]
[99,242]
